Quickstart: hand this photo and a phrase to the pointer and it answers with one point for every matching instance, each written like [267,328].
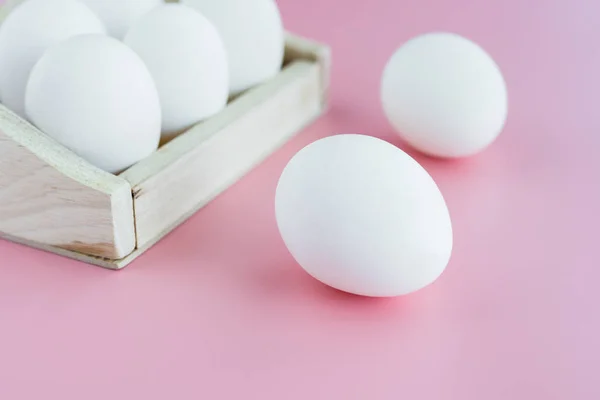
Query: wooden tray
[52,200]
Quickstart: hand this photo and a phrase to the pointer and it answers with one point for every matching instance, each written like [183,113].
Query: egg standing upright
[28,31]
[187,59]
[253,35]
[94,95]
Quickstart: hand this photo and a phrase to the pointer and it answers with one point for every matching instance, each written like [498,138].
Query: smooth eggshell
[187,60]
[28,31]
[362,216]
[94,95]
[253,35]
[444,95]
[120,15]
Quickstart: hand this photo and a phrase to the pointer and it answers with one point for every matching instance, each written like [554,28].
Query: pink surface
[219,310]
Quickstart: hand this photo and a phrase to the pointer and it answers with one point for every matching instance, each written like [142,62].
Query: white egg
[28,31]
[119,15]
[188,62]
[362,216]
[94,95]
[253,35]
[444,95]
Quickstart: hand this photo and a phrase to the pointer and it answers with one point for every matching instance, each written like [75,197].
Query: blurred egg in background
[253,34]
[444,95]
[188,62]
[32,27]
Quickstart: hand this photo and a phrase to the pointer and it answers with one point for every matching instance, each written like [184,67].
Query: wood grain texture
[51,197]
[84,258]
[191,170]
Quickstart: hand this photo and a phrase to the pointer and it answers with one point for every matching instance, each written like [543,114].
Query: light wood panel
[51,197]
[191,170]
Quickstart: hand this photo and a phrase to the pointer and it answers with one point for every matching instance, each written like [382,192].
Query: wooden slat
[300,48]
[84,258]
[191,170]
[51,197]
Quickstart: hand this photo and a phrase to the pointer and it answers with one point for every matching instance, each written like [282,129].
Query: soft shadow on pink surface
[220,310]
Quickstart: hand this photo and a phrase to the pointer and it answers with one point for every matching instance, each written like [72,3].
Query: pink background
[219,310]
